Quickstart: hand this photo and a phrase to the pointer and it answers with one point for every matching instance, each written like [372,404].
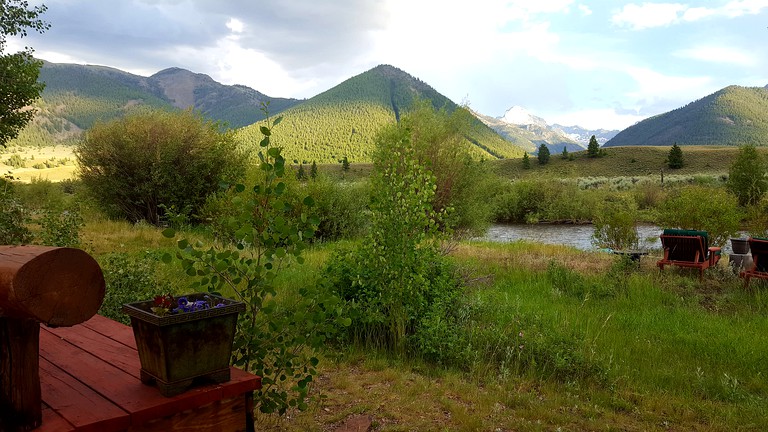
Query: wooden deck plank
[99,354]
[103,347]
[85,409]
[112,329]
[53,422]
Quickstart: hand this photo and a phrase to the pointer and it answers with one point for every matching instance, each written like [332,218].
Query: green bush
[341,208]
[701,208]
[13,217]
[747,176]
[615,225]
[128,279]
[134,164]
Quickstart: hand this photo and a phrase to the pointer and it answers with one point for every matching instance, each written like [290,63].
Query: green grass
[627,161]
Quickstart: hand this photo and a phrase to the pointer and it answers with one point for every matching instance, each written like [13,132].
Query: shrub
[615,225]
[341,208]
[397,277]
[746,176]
[134,164]
[128,278]
[13,217]
[61,227]
[708,209]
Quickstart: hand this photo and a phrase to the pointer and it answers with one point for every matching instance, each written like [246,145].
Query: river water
[578,236]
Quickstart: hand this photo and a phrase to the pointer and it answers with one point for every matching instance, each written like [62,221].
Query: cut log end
[56,286]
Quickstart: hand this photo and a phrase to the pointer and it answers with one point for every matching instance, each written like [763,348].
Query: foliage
[127,278]
[61,227]
[747,176]
[344,164]
[543,154]
[341,208]
[675,157]
[565,155]
[593,148]
[397,276]
[313,170]
[13,217]
[461,184]
[531,201]
[615,225]
[277,340]
[702,208]
[18,71]
[526,161]
[301,174]
[133,165]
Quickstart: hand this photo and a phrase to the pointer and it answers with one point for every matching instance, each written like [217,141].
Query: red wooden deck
[89,377]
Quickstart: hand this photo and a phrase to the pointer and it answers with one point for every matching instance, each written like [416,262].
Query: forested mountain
[77,96]
[732,116]
[344,120]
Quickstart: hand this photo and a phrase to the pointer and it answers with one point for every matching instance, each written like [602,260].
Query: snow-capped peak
[518,115]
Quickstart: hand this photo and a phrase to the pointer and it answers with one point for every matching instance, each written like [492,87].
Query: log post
[38,284]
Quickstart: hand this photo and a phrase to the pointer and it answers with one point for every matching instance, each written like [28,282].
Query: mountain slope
[529,132]
[85,94]
[732,116]
[344,120]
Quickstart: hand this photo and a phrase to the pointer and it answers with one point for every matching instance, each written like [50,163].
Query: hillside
[77,96]
[629,161]
[732,116]
[344,120]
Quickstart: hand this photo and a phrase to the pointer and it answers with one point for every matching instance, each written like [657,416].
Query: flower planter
[740,245]
[178,351]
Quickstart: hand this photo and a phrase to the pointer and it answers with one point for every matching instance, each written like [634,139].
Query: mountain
[732,116]
[582,136]
[86,93]
[528,131]
[344,120]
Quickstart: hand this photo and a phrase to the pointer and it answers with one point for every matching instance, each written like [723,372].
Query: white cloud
[585,10]
[235,25]
[648,15]
[719,54]
[596,119]
[654,87]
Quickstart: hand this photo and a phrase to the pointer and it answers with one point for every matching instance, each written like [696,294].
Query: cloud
[605,118]
[650,15]
[719,54]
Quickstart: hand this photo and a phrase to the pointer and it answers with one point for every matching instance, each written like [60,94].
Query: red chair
[759,269]
[688,248]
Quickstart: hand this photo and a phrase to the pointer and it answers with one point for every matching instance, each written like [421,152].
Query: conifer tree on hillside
[675,157]
[593,149]
[313,171]
[565,154]
[526,161]
[543,154]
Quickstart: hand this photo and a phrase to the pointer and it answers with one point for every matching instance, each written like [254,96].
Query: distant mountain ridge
[732,116]
[530,131]
[83,90]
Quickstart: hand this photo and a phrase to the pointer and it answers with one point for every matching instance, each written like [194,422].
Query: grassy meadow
[555,339]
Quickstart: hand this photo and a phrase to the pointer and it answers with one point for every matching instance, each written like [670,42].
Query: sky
[594,63]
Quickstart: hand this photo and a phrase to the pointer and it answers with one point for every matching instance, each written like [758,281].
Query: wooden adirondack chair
[688,248]
[759,269]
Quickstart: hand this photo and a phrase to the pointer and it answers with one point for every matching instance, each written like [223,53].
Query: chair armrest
[714,254]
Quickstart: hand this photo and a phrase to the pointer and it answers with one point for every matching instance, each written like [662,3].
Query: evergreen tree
[675,157]
[746,177]
[543,154]
[345,164]
[526,161]
[301,174]
[313,171]
[565,154]
[593,149]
